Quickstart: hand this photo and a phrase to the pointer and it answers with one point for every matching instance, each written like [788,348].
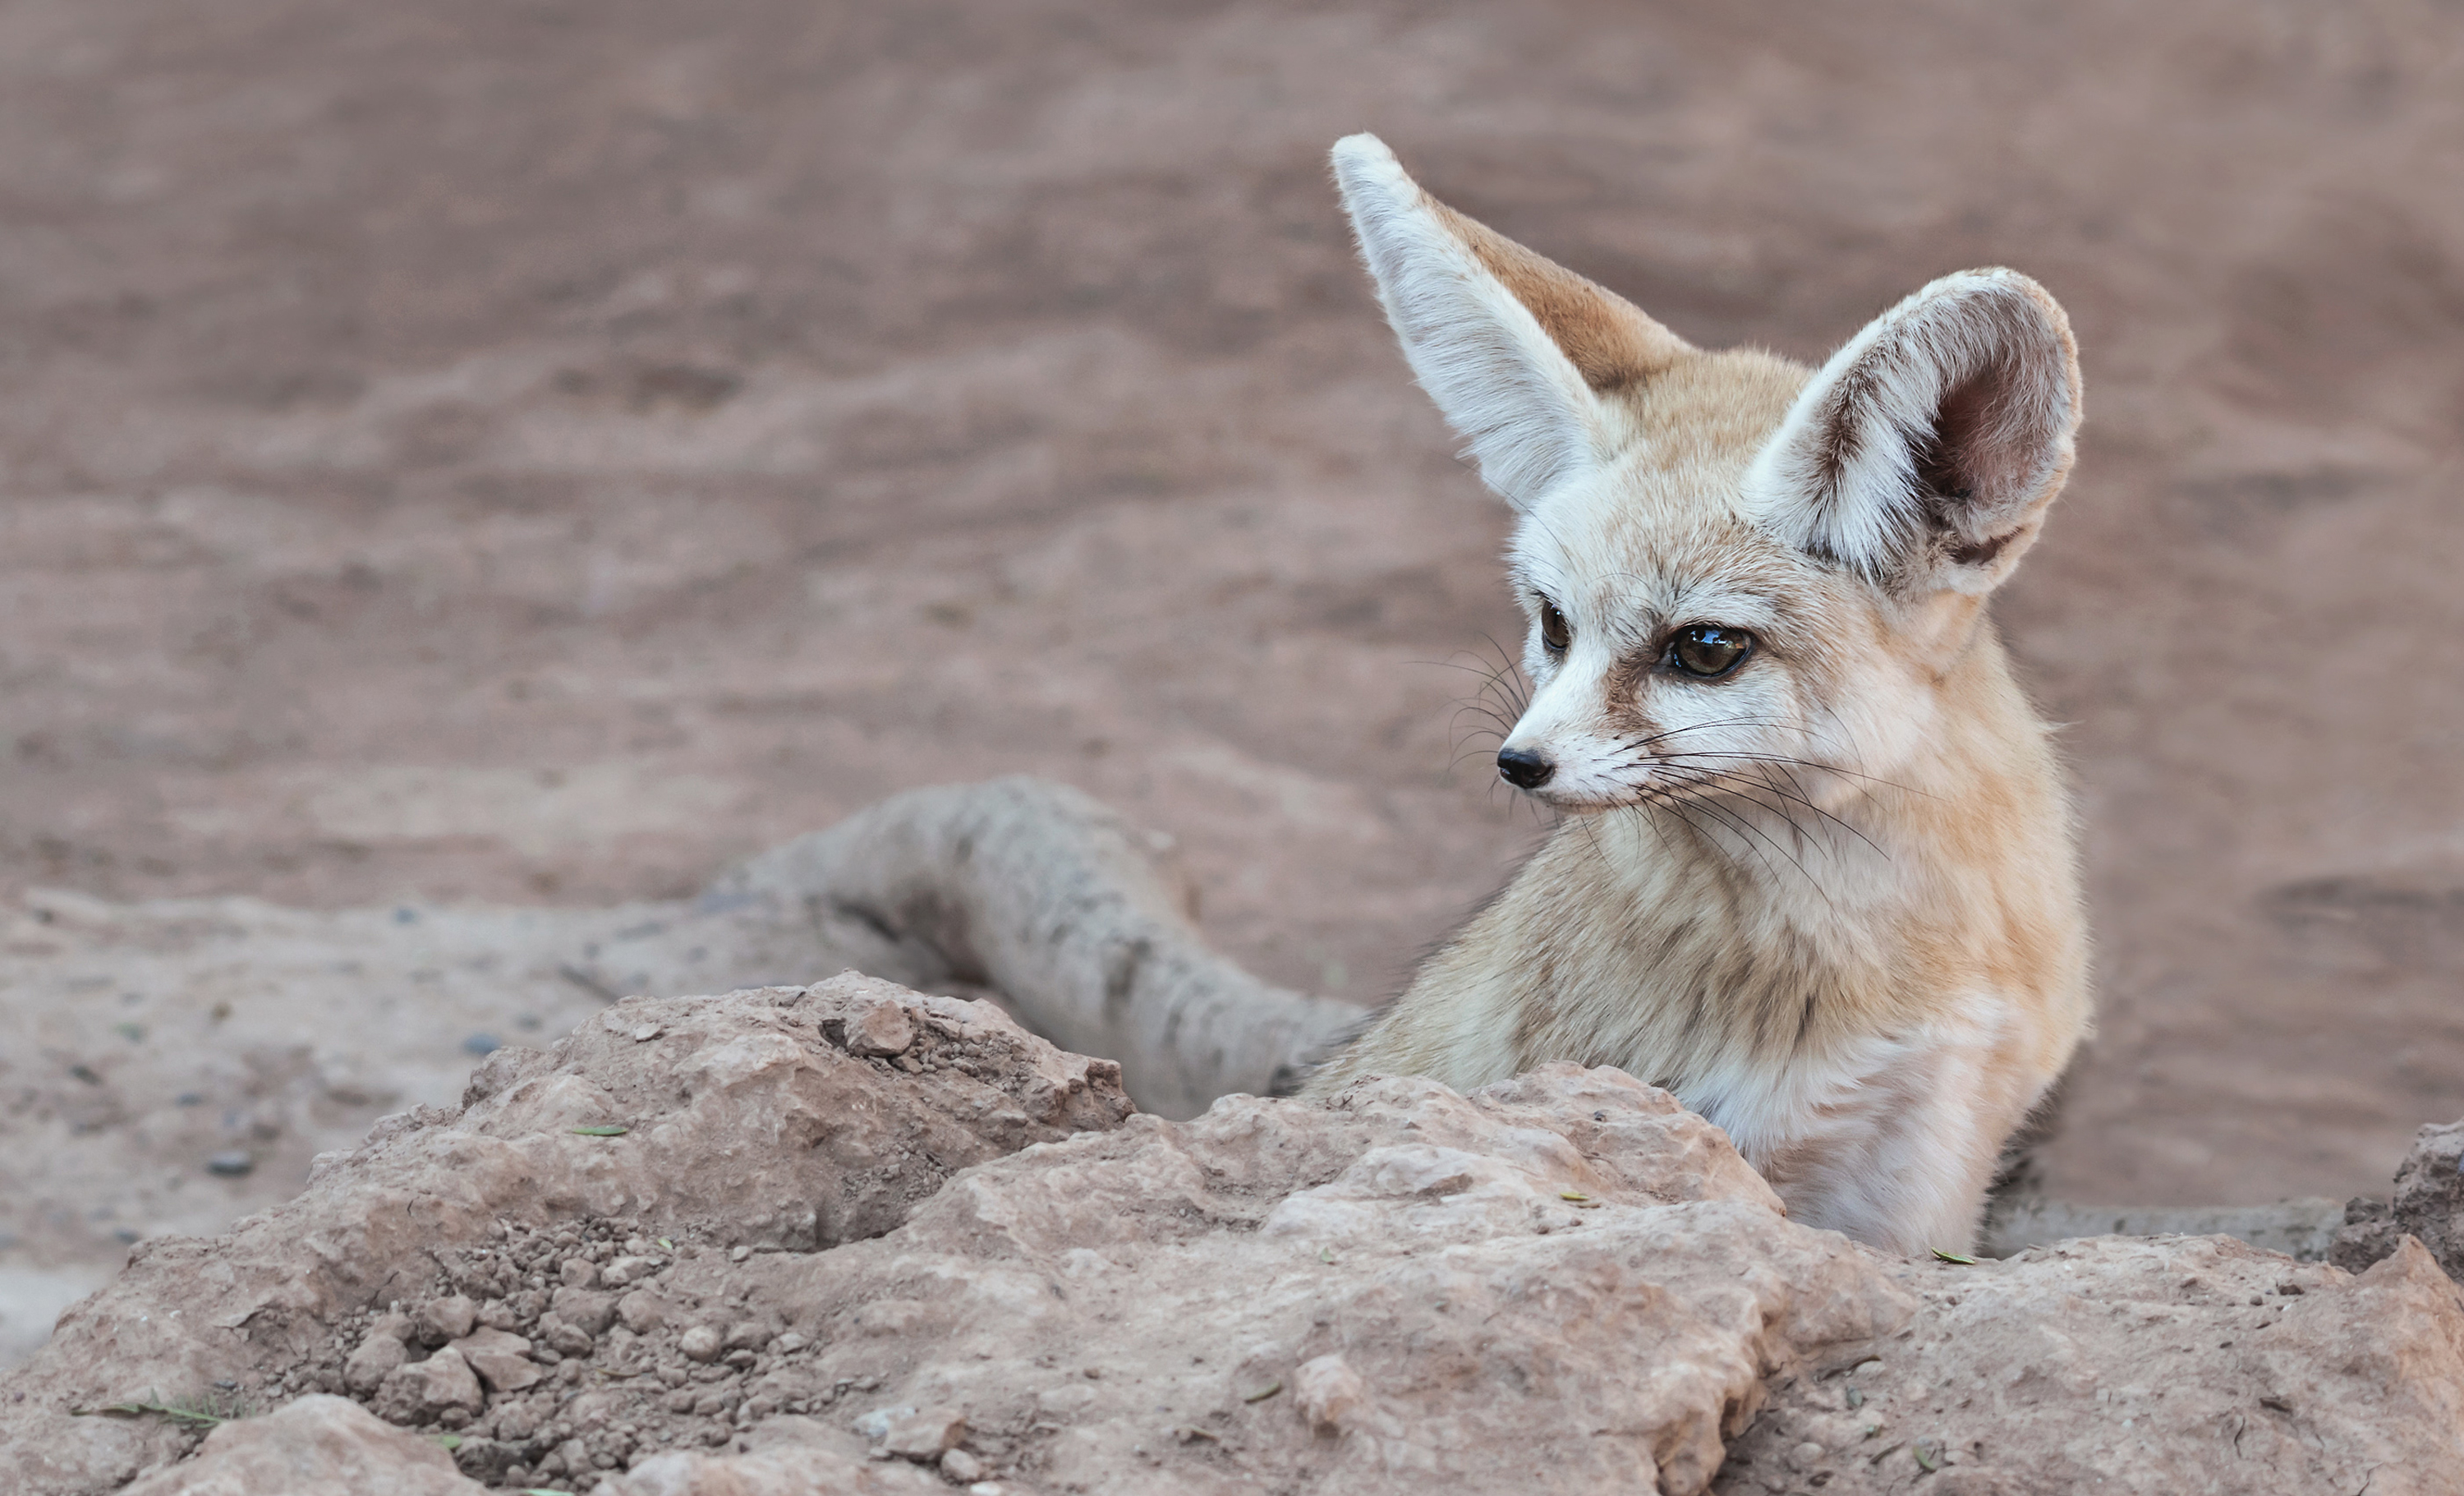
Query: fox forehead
[1659,536]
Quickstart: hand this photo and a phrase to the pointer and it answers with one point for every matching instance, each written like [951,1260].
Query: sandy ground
[530,453]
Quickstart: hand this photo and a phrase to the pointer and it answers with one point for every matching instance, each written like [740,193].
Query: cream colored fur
[1829,900]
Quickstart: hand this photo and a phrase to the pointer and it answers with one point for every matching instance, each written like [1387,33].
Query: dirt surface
[794,1242]
[534,453]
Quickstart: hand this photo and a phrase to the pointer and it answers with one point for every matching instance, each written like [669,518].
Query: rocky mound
[854,1239]
[2429,1203]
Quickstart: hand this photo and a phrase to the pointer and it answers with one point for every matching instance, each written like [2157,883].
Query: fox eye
[1555,631]
[1707,650]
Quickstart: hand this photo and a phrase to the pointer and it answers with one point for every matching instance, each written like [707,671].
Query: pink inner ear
[1986,443]
[1980,466]
[1949,461]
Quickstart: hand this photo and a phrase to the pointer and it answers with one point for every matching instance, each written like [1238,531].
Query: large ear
[1924,453]
[1516,351]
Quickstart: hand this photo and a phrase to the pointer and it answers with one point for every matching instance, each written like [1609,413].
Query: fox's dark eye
[1555,631]
[1707,650]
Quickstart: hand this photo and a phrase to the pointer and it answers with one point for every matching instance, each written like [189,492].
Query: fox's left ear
[1924,455]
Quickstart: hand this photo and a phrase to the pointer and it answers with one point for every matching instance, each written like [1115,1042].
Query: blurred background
[530,452]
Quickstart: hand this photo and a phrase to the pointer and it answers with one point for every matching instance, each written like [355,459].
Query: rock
[398,1325]
[741,1115]
[924,1435]
[517,1423]
[501,1361]
[2133,1365]
[486,1460]
[423,1391]
[642,1311]
[1423,1238]
[873,1024]
[578,1272]
[962,1467]
[446,1319]
[314,1446]
[876,1424]
[1563,1284]
[2369,1234]
[565,1338]
[1326,1392]
[377,1355]
[2429,1203]
[592,1311]
[625,1271]
[231,1163]
[748,1335]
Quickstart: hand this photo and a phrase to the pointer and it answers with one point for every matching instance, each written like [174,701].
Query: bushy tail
[1055,901]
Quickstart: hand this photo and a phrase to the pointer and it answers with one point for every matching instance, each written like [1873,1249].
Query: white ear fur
[1924,453]
[1496,374]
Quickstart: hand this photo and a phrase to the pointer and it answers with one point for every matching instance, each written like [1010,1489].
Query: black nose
[1524,770]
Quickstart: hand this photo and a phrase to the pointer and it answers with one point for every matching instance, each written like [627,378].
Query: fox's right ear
[1516,351]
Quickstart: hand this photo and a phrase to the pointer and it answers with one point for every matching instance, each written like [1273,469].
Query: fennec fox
[1815,873]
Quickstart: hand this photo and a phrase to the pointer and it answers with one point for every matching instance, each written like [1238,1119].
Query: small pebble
[564,1338]
[230,1163]
[962,1467]
[482,1044]
[445,1319]
[873,1025]
[642,1311]
[750,1335]
[876,1424]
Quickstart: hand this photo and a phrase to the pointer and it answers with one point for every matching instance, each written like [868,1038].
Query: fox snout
[1523,768]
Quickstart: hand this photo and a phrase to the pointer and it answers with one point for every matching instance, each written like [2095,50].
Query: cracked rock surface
[728,1245]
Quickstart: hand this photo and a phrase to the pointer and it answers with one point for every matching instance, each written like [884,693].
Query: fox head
[1735,568]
